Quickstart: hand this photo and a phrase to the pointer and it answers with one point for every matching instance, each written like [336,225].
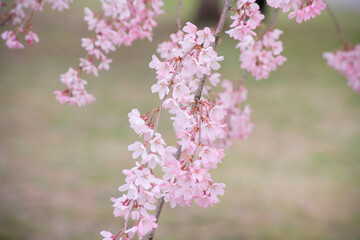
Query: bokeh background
[296,177]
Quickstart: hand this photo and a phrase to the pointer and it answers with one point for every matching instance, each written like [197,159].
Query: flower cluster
[303,10]
[237,121]
[20,14]
[119,22]
[347,62]
[199,123]
[263,56]
[258,57]
[246,19]
[75,92]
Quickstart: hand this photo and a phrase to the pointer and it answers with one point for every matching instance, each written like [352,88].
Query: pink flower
[161,87]
[190,30]
[87,43]
[11,40]
[61,97]
[311,10]
[152,160]
[138,150]
[157,144]
[180,91]
[347,62]
[263,56]
[205,37]
[144,178]
[107,235]
[146,225]
[31,37]
[105,63]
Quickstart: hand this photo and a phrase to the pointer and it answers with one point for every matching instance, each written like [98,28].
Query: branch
[220,26]
[219,29]
[162,200]
[179,16]
[341,36]
[274,18]
[177,70]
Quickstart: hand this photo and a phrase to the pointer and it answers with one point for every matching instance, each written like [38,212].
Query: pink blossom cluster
[75,92]
[199,123]
[303,10]
[20,14]
[347,62]
[119,22]
[263,56]
[246,19]
[238,121]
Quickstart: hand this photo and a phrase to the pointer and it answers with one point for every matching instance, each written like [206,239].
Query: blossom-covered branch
[259,55]
[19,14]
[347,59]
[199,123]
[119,22]
[303,10]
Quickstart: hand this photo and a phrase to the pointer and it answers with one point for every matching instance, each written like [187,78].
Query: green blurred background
[296,177]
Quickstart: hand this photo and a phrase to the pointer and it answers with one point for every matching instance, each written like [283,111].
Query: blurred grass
[296,177]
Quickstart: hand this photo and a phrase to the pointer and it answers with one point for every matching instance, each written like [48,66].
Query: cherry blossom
[302,10]
[263,56]
[199,127]
[246,19]
[19,14]
[119,22]
[347,62]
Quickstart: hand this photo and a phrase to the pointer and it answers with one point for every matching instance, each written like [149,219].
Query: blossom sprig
[119,22]
[259,55]
[198,124]
[237,120]
[347,62]
[19,14]
[246,19]
[262,56]
[303,10]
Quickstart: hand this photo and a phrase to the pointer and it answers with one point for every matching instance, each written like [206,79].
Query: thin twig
[274,19]
[199,140]
[127,218]
[27,19]
[332,15]
[179,16]
[8,17]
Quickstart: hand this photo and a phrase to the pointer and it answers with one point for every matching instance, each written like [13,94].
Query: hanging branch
[162,200]
[219,29]
[336,23]
[274,18]
[178,21]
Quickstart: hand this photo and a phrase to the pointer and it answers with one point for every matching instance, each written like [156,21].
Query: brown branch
[7,18]
[158,212]
[179,16]
[220,26]
[336,23]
